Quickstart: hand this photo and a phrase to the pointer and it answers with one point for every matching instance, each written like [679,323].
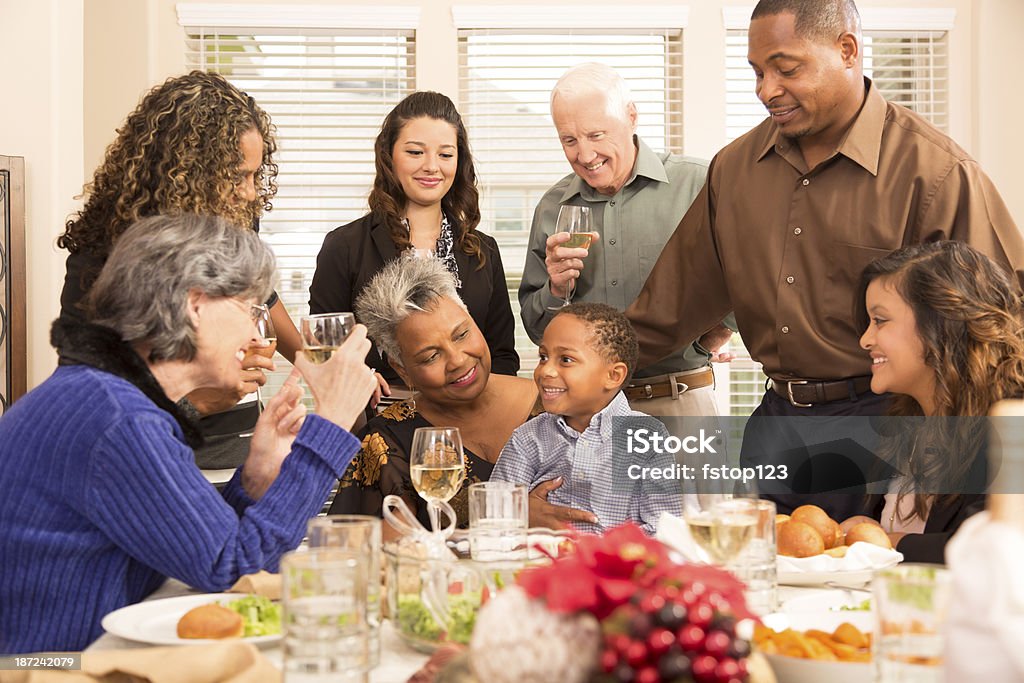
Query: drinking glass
[323,333]
[358,535]
[437,466]
[498,519]
[721,518]
[324,616]
[756,564]
[414,252]
[574,220]
[265,328]
[911,602]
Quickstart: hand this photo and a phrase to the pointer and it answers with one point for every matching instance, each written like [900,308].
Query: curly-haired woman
[424,198]
[945,330]
[195,144]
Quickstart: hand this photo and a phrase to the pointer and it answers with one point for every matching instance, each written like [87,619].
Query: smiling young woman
[424,199]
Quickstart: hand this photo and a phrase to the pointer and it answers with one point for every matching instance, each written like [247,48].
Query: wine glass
[437,466]
[416,253]
[574,220]
[722,519]
[265,328]
[323,333]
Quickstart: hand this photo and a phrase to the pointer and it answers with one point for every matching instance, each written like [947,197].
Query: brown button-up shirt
[784,246]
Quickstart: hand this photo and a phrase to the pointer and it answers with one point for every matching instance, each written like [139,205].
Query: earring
[412,399]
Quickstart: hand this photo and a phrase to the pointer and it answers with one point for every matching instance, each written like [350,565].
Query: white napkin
[675,533]
[985,629]
[859,557]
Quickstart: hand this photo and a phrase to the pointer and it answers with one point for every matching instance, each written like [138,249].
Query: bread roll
[781,519]
[868,533]
[854,521]
[796,539]
[838,551]
[814,516]
[211,621]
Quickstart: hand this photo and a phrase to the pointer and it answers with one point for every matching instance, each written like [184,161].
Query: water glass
[911,602]
[324,616]
[498,518]
[360,535]
[756,563]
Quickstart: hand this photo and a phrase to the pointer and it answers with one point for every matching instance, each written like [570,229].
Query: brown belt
[806,393]
[669,386]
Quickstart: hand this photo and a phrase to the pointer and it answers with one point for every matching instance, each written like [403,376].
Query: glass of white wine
[574,220]
[323,333]
[437,466]
[721,524]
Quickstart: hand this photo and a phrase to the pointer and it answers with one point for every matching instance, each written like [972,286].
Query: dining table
[398,661]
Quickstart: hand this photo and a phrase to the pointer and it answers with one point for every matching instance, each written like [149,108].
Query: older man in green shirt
[636,199]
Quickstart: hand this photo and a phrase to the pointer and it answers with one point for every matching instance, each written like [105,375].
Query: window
[905,55]
[507,68]
[327,91]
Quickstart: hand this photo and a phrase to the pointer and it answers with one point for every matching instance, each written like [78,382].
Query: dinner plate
[856,578]
[156,621]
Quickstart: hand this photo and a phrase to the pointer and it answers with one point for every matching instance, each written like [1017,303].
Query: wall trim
[237,15]
[623,16]
[872,18]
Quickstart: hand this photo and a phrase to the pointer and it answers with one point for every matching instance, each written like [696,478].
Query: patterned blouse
[381,468]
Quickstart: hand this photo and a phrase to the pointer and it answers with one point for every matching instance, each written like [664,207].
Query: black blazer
[352,254]
[944,520]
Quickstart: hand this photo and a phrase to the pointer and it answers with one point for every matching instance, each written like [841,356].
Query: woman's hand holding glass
[342,384]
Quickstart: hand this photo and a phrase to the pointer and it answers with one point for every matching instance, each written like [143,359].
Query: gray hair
[142,292]
[593,77]
[403,286]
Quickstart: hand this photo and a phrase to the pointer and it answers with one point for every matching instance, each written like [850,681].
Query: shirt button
[790,279]
[614,282]
[612,202]
[785,329]
[611,241]
[805,182]
[797,231]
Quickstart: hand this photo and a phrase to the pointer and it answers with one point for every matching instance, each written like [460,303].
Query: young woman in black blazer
[424,203]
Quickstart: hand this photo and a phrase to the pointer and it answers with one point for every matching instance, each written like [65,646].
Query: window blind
[505,81]
[327,91]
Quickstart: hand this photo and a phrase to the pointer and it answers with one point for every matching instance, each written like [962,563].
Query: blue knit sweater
[100,501]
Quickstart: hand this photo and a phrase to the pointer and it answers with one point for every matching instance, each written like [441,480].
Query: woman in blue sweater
[99,492]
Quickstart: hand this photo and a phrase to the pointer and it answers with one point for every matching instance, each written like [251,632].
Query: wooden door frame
[14,169]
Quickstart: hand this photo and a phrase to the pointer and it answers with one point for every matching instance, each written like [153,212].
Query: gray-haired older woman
[86,453]
[414,315]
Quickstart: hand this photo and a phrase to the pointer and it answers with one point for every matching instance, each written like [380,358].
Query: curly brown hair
[613,336]
[970,320]
[178,152]
[462,202]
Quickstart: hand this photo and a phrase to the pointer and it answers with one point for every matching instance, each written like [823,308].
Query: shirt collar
[602,422]
[647,164]
[863,142]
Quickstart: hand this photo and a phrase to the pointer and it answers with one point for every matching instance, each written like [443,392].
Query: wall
[998,98]
[41,120]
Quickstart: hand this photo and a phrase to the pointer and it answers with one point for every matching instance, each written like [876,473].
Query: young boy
[588,353]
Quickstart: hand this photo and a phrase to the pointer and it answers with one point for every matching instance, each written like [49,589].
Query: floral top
[381,468]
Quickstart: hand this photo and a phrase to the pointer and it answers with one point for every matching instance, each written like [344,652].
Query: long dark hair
[462,202]
[970,321]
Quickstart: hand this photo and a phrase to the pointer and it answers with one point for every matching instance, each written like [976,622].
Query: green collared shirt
[634,224]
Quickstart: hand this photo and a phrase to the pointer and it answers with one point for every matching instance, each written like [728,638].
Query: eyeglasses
[256,311]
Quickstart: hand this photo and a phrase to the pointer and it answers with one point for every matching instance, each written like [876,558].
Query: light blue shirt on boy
[593,465]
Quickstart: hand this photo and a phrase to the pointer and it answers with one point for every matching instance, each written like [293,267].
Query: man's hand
[564,265]
[545,514]
[713,340]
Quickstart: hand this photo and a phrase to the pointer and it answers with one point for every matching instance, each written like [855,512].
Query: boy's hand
[545,514]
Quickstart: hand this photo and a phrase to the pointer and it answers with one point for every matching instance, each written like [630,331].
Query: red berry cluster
[673,633]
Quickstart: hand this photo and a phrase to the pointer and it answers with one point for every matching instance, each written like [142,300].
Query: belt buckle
[678,388]
[793,401]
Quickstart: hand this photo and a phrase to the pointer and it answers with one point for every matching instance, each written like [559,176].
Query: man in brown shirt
[795,209]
